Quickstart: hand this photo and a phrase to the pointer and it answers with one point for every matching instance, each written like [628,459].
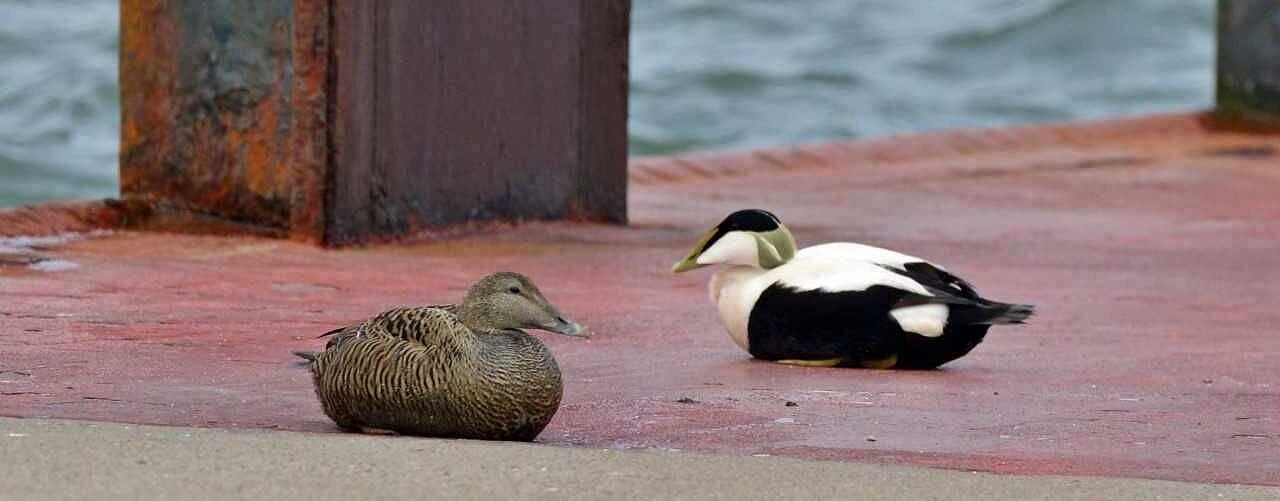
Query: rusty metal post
[224,111]
[1248,84]
[344,121]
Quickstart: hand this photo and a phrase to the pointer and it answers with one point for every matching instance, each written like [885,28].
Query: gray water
[706,74]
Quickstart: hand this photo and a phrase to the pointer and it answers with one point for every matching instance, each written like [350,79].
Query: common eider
[839,304]
[462,371]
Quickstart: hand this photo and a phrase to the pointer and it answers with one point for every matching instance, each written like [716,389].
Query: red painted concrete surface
[1152,247]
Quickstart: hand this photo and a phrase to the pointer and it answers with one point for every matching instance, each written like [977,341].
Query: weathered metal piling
[1248,83]
[342,121]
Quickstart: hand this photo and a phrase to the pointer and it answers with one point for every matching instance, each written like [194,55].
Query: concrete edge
[61,459]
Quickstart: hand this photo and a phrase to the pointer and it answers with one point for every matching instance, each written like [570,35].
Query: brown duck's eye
[514,290]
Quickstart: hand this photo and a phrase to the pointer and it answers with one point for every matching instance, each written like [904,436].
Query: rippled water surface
[706,74]
[59,108]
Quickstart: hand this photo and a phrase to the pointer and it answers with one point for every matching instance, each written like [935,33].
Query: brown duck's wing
[425,325]
[342,335]
[378,324]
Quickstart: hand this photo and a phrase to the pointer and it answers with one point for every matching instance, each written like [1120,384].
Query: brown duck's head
[509,300]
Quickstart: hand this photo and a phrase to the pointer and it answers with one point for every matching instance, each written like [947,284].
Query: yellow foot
[830,362]
[374,431]
[884,363]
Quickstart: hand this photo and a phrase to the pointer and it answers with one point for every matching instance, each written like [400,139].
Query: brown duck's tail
[307,357]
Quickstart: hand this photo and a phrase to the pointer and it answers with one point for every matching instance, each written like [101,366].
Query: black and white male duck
[839,304]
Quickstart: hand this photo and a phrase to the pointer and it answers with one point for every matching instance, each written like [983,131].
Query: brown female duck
[464,371]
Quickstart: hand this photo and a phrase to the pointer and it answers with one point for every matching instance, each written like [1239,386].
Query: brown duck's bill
[566,327]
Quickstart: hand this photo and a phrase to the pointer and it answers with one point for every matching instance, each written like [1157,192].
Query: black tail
[990,313]
[307,357]
[1004,313]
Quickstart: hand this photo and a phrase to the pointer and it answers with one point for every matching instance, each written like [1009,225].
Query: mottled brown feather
[420,371]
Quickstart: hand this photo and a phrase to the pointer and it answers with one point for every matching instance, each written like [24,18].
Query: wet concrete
[1149,245]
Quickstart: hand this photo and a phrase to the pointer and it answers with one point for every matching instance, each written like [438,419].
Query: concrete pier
[1149,244]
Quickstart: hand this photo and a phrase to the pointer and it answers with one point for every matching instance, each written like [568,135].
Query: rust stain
[62,217]
[310,101]
[147,66]
[212,120]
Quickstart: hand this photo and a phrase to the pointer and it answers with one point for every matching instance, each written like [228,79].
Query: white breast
[734,291]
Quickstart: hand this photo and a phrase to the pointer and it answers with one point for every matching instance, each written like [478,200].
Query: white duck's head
[749,237]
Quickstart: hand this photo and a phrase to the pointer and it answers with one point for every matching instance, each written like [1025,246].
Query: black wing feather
[932,276]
